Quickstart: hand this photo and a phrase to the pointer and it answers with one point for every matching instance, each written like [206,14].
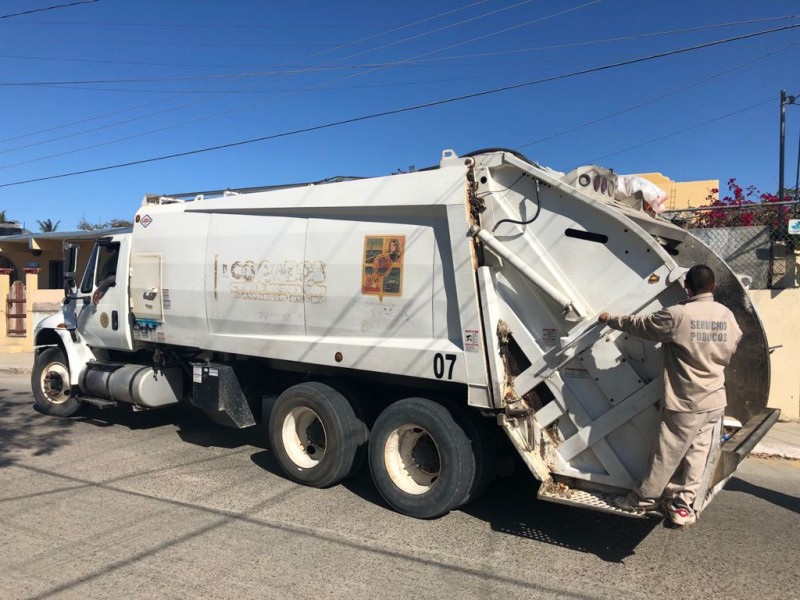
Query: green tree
[47,225]
[3,217]
[85,225]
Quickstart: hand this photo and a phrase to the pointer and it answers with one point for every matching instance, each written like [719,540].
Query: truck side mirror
[70,267]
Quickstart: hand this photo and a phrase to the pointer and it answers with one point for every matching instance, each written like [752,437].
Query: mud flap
[216,391]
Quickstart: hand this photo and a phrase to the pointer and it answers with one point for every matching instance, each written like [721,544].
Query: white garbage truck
[406,322]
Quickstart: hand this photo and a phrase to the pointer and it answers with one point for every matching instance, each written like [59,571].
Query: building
[684,194]
[32,279]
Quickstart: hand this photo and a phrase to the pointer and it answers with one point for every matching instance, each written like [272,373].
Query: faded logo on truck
[287,281]
[382,273]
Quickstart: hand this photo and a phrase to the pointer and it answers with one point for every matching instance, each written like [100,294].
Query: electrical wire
[415,108]
[36,10]
[446,58]
[346,45]
[679,131]
[654,99]
[529,221]
[242,107]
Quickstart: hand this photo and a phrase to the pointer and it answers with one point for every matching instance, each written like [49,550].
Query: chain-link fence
[753,239]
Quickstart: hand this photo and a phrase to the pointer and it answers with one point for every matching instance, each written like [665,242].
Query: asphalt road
[168,505]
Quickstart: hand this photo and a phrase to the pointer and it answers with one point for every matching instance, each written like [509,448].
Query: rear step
[98,402]
[555,492]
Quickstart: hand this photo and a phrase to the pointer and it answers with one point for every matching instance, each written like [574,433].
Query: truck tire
[315,434]
[421,459]
[483,438]
[50,384]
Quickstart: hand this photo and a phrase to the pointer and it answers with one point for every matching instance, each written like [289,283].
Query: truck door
[103,320]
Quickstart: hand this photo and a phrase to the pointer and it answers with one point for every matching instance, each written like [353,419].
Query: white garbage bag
[628,185]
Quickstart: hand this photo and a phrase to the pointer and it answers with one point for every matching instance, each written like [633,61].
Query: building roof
[30,239]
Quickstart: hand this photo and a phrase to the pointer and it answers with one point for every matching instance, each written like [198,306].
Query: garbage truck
[408,322]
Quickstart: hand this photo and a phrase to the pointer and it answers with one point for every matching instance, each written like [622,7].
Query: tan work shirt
[699,337]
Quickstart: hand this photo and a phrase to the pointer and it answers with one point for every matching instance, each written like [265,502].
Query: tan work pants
[679,456]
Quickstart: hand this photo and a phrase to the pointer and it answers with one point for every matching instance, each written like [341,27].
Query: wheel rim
[412,459]
[54,383]
[304,438]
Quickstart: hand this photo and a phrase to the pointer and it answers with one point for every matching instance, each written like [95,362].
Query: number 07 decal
[439,365]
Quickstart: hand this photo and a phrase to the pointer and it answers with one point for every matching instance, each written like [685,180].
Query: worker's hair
[700,279]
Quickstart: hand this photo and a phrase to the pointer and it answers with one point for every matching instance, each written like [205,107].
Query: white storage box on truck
[401,319]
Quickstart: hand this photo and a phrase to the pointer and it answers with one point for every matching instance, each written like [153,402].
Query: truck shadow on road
[777,498]
[510,507]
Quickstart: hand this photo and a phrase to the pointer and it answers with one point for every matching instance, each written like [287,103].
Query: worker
[699,337]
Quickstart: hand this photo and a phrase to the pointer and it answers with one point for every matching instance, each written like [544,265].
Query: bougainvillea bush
[755,208]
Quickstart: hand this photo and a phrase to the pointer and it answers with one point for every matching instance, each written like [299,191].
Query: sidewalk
[782,441]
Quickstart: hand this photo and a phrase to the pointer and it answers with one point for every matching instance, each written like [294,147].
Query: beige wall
[683,194]
[780,312]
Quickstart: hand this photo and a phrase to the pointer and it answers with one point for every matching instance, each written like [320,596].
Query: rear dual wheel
[316,434]
[421,459]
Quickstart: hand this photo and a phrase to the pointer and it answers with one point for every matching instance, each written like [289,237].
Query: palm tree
[48,225]
[3,216]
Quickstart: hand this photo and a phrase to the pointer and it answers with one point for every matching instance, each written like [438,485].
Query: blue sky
[110,82]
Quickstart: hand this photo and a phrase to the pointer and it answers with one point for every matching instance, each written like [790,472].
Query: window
[56,277]
[102,264]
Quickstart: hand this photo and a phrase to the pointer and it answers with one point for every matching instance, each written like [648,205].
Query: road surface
[168,505]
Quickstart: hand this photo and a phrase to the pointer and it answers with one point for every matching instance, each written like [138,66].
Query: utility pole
[784,101]
[782,144]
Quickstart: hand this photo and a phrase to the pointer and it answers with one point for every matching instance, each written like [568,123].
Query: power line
[346,45]
[414,108]
[679,131]
[138,135]
[370,65]
[36,10]
[685,129]
[652,100]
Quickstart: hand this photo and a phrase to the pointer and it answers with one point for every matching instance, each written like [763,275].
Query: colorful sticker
[471,342]
[145,220]
[382,273]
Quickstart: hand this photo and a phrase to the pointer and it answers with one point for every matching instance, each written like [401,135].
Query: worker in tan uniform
[699,337]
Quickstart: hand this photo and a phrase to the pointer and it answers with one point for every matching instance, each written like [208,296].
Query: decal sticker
[104,320]
[145,220]
[197,374]
[382,272]
[165,299]
[471,342]
[161,337]
[548,337]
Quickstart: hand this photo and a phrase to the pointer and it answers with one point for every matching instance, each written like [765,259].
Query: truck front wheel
[51,386]
[421,459]
[315,434]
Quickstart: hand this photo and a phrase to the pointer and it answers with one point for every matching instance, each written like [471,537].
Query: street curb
[767,450]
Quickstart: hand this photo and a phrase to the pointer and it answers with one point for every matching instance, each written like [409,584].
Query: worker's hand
[603,317]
